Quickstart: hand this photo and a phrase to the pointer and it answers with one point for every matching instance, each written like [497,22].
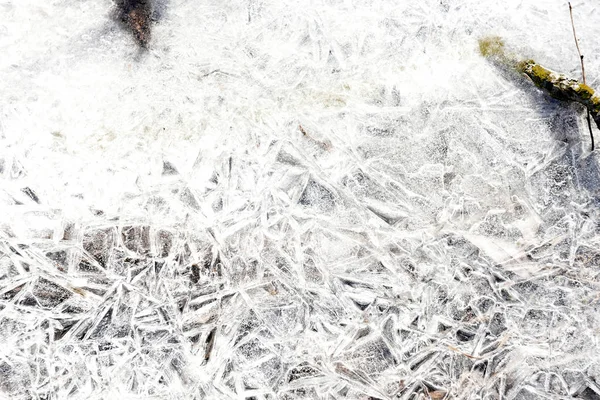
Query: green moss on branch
[491,46]
[553,83]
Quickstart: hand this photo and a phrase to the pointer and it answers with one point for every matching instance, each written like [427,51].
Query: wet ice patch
[293,200]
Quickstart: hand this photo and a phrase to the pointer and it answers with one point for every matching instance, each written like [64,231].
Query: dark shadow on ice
[583,166]
[567,126]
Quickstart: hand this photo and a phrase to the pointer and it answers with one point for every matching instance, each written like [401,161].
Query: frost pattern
[295,200]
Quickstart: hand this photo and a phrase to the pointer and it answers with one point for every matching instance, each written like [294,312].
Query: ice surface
[295,200]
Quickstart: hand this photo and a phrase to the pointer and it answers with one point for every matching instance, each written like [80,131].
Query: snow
[295,200]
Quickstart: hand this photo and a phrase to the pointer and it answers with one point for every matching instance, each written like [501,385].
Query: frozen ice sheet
[295,200]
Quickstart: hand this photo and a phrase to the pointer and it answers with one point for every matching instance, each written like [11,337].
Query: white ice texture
[299,199]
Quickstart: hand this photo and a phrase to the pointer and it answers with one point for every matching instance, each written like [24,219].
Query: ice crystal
[295,200]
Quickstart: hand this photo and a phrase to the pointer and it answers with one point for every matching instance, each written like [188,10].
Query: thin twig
[590,128]
[577,43]
[582,71]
